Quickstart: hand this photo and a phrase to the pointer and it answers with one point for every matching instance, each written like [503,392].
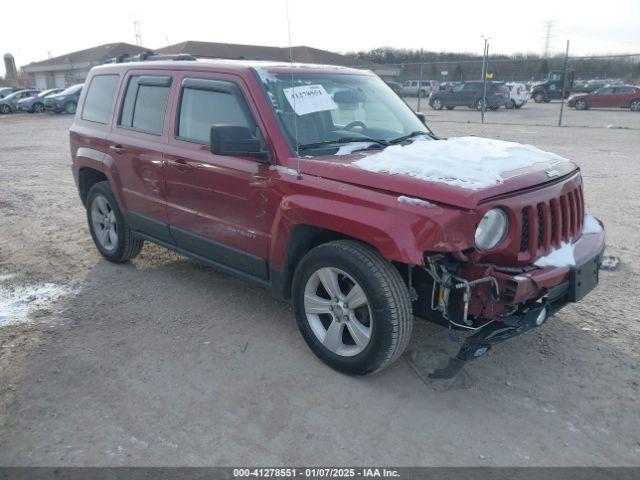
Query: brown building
[234,51]
[73,67]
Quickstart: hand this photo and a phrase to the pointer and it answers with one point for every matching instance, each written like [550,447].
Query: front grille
[547,224]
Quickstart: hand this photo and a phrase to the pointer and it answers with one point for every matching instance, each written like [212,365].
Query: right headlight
[492,229]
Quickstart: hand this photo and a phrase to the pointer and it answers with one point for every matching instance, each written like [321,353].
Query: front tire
[37,108]
[111,234]
[352,307]
[539,97]
[5,109]
[479,104]
[581,105]
[436,104]
[70,108]
[634,106]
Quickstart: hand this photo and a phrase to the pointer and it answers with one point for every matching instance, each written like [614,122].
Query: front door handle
[180,164]
[119,149]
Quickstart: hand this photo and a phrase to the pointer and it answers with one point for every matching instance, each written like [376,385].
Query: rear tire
[112,236]
[5,109]
[37,108]
[450,108]
[437,104]
[478,104]
[634,106]
[380,313]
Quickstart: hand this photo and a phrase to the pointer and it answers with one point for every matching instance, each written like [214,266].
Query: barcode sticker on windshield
[309,99]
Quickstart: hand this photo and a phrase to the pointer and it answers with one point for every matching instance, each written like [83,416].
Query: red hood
[342,168]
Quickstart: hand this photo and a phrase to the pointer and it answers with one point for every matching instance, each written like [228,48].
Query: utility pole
[548,27]
[136,29]
[485,65]
[420,80]
[564,83]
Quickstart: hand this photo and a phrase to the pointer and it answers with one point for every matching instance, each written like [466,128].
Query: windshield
[71,89]
[336,109]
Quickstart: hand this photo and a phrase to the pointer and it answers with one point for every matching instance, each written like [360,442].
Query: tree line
[518,66]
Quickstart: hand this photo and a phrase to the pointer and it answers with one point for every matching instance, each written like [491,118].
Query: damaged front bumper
[497,305]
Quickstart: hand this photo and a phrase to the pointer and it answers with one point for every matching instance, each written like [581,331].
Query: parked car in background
[35,104]
[9,90]
[410,88]
[396,87]
[551,88]
[65,101]
[518,95]
[469,94]
[10,103]
[619,96]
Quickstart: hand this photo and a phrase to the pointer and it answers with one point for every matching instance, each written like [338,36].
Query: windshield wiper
[401,139]
[383,143]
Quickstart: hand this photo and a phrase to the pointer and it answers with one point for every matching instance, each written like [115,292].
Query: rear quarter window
[98,103]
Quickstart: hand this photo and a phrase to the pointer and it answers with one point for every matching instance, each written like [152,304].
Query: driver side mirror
[237,141]
[422,117]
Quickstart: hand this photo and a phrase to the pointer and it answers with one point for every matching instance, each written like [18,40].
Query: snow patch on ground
[560,257]
[467,162]
[19,301]
[414,201]
[591,225]
[352,147]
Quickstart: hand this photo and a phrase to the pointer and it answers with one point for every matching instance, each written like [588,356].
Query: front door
[217,205]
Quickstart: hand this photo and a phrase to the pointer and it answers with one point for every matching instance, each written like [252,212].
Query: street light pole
[485,65]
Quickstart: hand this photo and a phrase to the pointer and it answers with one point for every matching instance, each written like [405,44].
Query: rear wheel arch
[87,178]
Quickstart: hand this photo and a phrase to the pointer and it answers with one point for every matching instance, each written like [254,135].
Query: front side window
[98,103]
[202,107]
[327,110]
[145,102]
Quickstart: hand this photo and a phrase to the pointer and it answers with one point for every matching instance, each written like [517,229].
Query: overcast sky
[38,29]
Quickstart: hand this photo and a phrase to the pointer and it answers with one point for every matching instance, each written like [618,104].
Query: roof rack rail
[150,56]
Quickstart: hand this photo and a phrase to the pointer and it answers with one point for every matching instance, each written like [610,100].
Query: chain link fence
[602,80]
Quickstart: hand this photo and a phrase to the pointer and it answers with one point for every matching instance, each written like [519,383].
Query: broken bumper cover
[545,291]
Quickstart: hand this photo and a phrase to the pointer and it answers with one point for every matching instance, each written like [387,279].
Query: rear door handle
[180,164]
[119,149]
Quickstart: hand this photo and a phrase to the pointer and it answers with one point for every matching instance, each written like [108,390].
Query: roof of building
[94,55]
[255,52]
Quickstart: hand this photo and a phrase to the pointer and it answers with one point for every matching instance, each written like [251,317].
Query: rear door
[603,97]
[136,145]
[623,96]
[218,205]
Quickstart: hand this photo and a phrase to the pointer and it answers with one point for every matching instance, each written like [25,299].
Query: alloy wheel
[103,220]
[338,311]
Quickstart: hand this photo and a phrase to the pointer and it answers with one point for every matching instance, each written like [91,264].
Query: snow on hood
[467,162]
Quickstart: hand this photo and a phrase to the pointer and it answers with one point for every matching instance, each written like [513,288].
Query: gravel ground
[166,362]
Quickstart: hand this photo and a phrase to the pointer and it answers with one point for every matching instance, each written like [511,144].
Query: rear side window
[145,103]
[209,102]
[98,103]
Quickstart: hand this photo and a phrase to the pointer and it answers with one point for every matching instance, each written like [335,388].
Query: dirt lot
[166,362]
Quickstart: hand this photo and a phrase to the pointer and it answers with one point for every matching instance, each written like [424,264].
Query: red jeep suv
[321,184]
